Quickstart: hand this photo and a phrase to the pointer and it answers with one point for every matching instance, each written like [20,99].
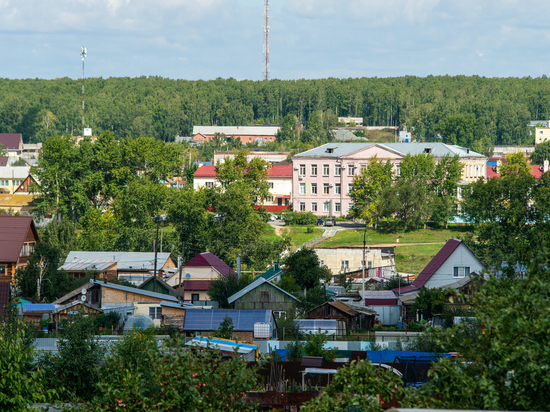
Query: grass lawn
[414,258]
[269,233]
[381,236]
[299,235]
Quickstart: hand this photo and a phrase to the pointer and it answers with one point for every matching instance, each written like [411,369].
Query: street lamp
[157,219]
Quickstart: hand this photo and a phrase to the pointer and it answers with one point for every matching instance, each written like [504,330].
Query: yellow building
[542,134]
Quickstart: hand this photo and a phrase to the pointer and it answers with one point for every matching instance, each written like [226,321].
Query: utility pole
[266,40]
[181,290]
[364,259]
[156,253]
[83,52]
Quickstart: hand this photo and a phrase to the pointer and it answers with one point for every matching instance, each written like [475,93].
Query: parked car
[330,222]
[320,222]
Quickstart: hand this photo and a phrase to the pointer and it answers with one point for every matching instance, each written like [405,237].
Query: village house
[354,316]
[322,178]
[18,237]
[452,263]
[380,262]
[262,294]
[135,267]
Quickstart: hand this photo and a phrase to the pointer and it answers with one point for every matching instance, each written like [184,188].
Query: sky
[310,39]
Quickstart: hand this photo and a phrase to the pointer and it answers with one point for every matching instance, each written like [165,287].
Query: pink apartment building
[323,177]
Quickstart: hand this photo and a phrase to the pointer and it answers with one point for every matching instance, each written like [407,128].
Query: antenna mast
[83,52]
[266,40]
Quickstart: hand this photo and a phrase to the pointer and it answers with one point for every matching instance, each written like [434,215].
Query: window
[287,201]
[337,207]
[4,182]
[194,297]
[269,199]
[326,207]
[369,264]
[350,188]
[350,206]
[279,201]
[326,170]
[209,184]
[25,250]
[337,188]
[155,312]
[397,169]
[264,296]
[460,272]
[344,265]
[302,207]
[325,189]
[270,185]
[313,170]
[331,149]
[279,314]
[2,270]
[302,170]
[351,170]
[314,188]
[427,150]
[337,170]
[314,207]
[302,188]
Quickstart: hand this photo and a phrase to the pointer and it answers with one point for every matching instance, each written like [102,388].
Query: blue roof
[39,307]
[207,320]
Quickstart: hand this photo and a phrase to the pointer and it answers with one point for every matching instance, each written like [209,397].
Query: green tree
[541,153]
[305,268]
[429,302]
[367,190]
[225,286]
[225,330]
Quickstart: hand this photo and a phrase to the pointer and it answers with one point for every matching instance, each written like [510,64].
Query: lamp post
[158,220]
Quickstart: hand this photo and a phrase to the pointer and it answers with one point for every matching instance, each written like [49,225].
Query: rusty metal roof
[13,232]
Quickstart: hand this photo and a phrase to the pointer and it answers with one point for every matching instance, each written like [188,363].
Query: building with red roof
[494,164]
[18,237]
[279,180]
[453,262]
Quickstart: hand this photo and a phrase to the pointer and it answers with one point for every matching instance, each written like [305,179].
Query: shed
[354,316]
[262,294]
[379,297]
[161,286]
[206,321]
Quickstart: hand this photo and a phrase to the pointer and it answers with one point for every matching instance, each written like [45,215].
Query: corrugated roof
[11,141]
[38,307]
[377,294]
[208,320]
[259,130]
[274,171]
[72,294]
[436,149]
[432,267]
[125,260]
[198,284]
[208,259]
[81,265]
[137,291]
[15,201]
[13,232]
[14,172]
[254,285]
[177,305]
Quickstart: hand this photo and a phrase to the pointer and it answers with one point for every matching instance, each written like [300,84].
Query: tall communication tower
[266,40]
[83,52]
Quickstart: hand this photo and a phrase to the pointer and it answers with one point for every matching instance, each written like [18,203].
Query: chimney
[468,151]
[276,266]
[545,166]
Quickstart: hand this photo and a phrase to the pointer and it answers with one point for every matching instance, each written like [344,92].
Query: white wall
[460,257]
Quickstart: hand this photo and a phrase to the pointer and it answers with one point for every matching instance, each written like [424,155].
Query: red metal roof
[208,259]
[13,232]
[274,171]
[536,171]
[272,208]
[4,160]
[196,285]
[432,267]
[11,141]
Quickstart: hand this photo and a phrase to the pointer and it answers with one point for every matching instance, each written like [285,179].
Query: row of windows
[344,264]
[326,170]
[326,188]
[6,182]
[326,207]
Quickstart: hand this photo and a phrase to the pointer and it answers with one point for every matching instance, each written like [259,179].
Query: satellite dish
[83,291]
[83,298]
[187,275]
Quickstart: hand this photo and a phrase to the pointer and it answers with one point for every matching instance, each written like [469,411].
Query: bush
[299,218]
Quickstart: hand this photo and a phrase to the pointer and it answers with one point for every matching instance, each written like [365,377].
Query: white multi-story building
[279,180]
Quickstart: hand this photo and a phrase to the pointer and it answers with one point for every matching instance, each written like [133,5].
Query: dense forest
[458,109]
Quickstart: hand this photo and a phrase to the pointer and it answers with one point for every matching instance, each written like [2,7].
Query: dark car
[320,222]
[330,222]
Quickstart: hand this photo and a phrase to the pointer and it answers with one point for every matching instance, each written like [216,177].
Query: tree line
[471,111]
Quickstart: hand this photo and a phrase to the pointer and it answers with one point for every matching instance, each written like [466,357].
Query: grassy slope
[299,235]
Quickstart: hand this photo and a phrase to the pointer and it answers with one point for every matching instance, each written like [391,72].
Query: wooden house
[18,236]
[355,317]
[160,287]
[262,294]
